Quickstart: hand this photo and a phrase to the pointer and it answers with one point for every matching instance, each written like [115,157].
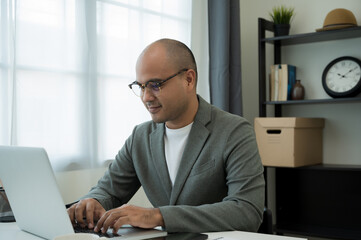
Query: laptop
[35,199]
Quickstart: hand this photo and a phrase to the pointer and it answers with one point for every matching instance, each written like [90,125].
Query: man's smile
[153,108]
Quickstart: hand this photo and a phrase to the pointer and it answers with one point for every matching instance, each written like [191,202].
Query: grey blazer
[219,185]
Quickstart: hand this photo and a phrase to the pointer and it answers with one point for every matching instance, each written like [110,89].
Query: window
[64,70]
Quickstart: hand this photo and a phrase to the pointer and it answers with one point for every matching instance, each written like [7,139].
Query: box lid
[291,122]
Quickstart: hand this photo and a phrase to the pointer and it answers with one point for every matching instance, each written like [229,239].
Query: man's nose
[147,95]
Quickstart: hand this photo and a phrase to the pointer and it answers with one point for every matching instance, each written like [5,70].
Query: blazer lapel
[196,140]
[158,157]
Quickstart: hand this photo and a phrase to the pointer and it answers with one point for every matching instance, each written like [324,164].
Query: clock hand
[350,71]
[342,76]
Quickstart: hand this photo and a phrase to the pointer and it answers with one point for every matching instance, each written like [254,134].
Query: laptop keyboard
[79,229]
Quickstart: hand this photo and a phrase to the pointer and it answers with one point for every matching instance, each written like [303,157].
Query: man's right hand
[89,208]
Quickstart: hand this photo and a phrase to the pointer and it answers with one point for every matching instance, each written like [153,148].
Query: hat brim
[335,27]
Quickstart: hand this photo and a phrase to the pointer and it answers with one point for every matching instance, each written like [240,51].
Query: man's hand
[132,215]
[89,208]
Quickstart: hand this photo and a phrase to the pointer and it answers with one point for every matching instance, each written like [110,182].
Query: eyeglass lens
[153,86]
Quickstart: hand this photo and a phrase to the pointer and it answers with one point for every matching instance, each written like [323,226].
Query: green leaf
[282,14]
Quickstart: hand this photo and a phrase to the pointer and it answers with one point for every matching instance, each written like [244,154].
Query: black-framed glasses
[154,84]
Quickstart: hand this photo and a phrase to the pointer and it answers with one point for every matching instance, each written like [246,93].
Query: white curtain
[64,70]
[200,45]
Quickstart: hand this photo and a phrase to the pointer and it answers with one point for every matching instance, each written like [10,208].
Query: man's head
[178,53]
[169,66]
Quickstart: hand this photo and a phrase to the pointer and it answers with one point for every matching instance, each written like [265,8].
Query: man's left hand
[132,215]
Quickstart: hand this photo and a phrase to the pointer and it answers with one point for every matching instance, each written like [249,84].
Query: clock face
[342,77]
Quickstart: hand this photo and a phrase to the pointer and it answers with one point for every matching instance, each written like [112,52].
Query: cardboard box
[289,142]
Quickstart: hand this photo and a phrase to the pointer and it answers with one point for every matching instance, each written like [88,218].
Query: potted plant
[281,17]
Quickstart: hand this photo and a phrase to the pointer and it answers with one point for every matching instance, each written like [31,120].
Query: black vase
[282,29]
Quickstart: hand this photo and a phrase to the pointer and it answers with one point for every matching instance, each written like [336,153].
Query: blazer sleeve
[120,181]
[242,208]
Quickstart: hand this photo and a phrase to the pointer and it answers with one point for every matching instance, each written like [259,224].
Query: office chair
[266,225]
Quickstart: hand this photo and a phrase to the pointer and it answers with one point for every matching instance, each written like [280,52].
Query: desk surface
[10,231]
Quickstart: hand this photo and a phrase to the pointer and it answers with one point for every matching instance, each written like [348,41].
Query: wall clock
[342,77]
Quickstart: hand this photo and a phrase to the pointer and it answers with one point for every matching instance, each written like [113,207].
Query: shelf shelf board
[341,167]
[313,101]
[345,33]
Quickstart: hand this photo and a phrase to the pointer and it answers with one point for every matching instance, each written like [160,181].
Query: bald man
[198,165]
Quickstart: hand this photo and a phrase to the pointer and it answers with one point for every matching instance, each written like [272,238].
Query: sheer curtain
[64,70]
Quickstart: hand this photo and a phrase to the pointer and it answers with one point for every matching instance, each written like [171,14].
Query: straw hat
[337,19]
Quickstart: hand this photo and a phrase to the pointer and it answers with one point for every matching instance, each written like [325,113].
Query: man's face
[170,104]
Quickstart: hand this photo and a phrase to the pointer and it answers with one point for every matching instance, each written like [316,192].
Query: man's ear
[191,77]
[189,80]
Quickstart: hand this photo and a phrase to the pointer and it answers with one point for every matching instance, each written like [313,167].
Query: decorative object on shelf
[282,29]
[337,19]
[289,141]
[298,91]
[342,77]
[281,17]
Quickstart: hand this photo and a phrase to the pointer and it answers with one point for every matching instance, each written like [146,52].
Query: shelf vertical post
[261,67]
[263,26]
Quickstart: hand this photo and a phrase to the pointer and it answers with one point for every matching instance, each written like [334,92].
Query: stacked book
[282,79]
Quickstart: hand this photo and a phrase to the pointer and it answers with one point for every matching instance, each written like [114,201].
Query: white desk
[10,231]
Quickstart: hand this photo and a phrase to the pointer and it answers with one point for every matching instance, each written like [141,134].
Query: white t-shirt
[174,143]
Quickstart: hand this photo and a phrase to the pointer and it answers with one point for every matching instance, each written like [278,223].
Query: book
[272,84]
[282,79]
[275,82]
[282,82]
[291,80]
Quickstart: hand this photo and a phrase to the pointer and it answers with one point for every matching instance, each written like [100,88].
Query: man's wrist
[159,217]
